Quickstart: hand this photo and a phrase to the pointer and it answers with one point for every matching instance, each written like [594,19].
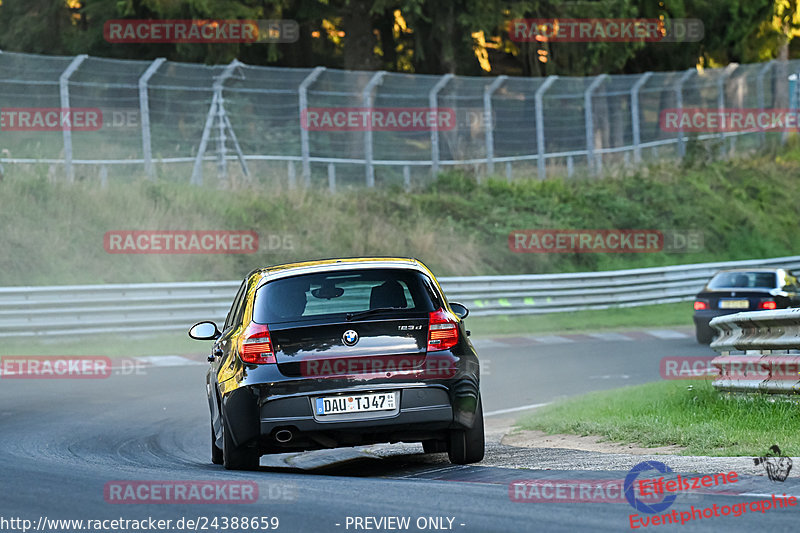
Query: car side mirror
[460,310]
[204,331]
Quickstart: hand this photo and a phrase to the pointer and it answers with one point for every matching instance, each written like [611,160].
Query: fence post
[197,171]
[537,98]
[636,116]
[794,91]
[292,175]
[487,121]
[331,178]
[236,145]
[103,176]
[434,108]
[589,121]
[144,111]
[726,73]
[366,101]
[302,94]
[222,164]
[216,109]
[679,105]
[760,92]
[219,86]
[63,82]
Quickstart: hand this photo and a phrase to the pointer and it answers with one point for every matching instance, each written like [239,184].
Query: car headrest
[289,300]
[387,294]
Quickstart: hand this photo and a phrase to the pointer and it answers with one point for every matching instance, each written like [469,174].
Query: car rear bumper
[419,406]
[426,410]
[703,318]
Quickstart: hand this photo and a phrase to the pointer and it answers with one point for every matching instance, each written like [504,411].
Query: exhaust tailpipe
[283,436]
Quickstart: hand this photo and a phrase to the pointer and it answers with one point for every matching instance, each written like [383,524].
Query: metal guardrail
[770,341]
[149,307]
[553,293]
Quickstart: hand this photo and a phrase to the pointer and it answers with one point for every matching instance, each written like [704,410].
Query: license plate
[362,403]
[734,304]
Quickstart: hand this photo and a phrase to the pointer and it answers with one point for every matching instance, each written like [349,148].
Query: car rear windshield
[334,294]
[745,280]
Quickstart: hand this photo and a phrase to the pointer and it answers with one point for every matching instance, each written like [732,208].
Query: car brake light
[256,346]
[767,304]
[699,305]
[442,331]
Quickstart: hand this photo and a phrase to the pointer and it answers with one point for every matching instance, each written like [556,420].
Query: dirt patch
[590,443]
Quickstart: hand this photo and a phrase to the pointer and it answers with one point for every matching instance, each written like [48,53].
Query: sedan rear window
[341,292]
[744,280]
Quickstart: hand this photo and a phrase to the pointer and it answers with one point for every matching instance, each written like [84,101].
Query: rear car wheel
[241,458]
[216,451]
[467,445]
[704,334]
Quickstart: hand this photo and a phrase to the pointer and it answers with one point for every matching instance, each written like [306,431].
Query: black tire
[241,458]
[704,334]
[434,446]
[216,451]
[467,446]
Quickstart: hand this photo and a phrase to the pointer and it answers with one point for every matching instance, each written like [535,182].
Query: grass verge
[54,231]
[690,414]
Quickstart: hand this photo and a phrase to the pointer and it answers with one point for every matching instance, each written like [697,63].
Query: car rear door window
[744,280]
[334,294]
[236,307]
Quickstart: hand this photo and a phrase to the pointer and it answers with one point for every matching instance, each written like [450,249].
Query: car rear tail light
[442,331]
[767,304]
[256,345]
[699,305]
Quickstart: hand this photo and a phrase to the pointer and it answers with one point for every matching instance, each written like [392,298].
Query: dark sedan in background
[738,290]
[343,352]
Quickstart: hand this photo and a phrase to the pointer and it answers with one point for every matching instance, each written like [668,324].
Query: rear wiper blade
[369,312]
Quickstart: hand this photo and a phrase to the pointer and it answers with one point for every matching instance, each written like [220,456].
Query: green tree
[467,37]
[34,26]
[730,26]
[567,58]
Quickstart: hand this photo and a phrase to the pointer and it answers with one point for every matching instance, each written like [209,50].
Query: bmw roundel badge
[350,337]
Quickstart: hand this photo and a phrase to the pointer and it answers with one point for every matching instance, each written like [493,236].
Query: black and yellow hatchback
[342,352]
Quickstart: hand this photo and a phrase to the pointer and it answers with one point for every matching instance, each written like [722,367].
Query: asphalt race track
[62,441]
